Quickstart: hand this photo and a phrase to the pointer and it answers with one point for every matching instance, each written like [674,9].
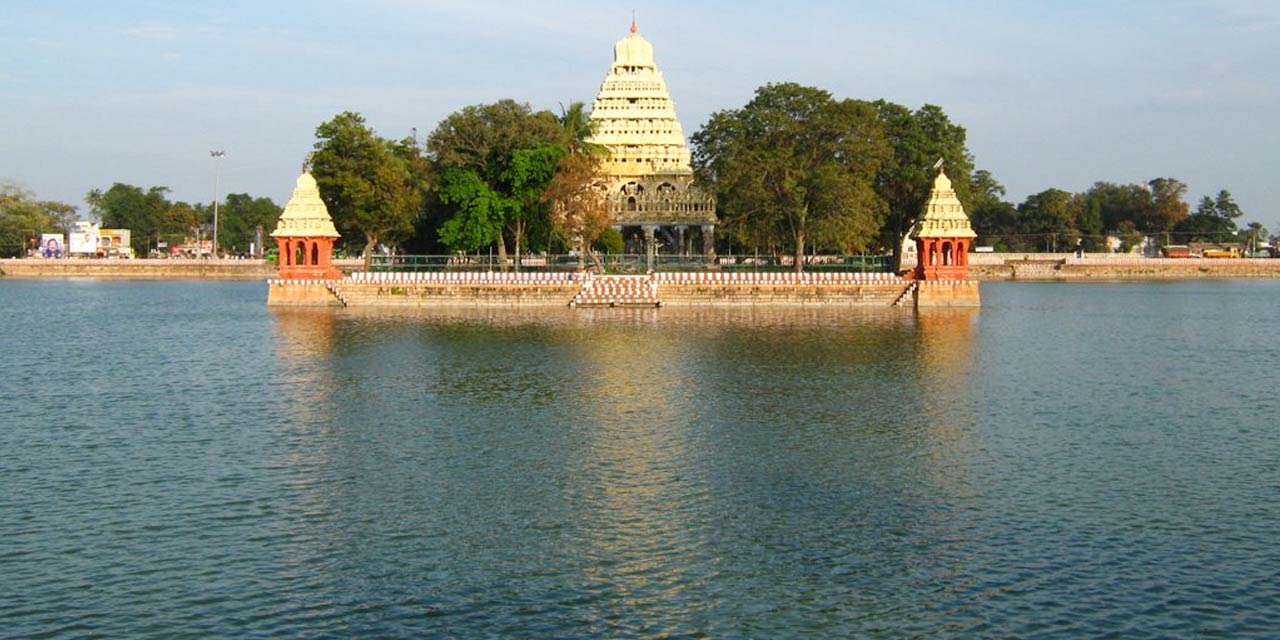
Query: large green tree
[1117,203]
[503,146]
[795,166]
[1050,216]
[125,206]
[240,216]
[367,184]
[24,217]
[993,219]
[917,139]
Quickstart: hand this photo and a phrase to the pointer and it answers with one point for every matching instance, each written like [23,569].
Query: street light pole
[216,156]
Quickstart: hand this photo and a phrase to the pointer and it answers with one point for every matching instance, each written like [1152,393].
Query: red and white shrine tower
[943,235]
[305,234]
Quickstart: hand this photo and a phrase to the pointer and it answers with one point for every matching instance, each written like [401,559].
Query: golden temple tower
[651,181]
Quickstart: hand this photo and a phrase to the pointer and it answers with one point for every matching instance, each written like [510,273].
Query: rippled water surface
[179,461]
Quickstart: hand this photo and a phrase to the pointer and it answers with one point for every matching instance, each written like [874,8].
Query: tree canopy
[24,217]
[495,160]
[795,166]
[579,211]
[367,182]
[917,140]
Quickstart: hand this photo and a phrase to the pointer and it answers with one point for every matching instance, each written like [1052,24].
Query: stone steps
[617,291]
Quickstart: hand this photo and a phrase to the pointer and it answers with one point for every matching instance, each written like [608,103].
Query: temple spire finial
[633,21]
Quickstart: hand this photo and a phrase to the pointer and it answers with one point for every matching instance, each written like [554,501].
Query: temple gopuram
[652,198]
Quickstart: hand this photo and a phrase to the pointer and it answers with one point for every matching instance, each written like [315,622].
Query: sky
[1052,94]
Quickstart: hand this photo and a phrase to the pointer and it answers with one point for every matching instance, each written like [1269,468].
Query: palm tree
[578,129]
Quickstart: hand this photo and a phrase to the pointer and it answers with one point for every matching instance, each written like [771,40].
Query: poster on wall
[84,238]
[52,245]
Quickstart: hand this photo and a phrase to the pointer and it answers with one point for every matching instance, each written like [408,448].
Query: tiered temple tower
[943,235]
[305,234]
[651,188]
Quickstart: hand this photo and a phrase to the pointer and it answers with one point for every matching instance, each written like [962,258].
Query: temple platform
[692,289]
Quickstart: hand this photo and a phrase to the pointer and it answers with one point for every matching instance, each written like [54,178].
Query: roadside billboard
[84,239]
[114,242]
[52,245]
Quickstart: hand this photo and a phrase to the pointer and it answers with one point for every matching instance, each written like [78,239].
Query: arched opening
[948,256]
[631,203]
[315,254]
[300,255]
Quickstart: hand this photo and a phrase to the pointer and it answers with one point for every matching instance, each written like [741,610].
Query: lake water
[1097,460]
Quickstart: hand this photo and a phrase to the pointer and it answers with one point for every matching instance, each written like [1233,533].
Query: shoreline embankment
[146,269]
[997,267]
[1108,268]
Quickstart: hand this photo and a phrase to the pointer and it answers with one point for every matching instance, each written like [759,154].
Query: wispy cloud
[152,31]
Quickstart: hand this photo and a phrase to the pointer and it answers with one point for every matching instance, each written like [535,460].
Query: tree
[1051,215]
[369,189]
[483,140]
[1117,203]
[580,210]
[916,141]
[526,179]
[23,217]
[1226,206]
[993,219]
[427,219]
[242,215]
[795,166]
[179,222]
[1254,234]
[578,128]
[125,206]
[1166,208]
[479,211]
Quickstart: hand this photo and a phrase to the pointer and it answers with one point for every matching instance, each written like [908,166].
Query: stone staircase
[617,291]
[337,292]
[905,296]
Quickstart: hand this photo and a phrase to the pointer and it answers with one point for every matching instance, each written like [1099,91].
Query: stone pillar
[650,247]
[680,233]
[709,242]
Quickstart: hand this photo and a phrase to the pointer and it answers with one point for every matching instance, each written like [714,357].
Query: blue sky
[1053,94]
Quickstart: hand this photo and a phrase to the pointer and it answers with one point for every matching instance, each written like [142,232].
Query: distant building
[652,197]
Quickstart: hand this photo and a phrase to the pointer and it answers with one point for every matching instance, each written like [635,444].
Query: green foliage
[1167,207]
[368,183]
[578,126]
[23,217]
[510,150]
[125,206]
[1052,214]
[1204,227]
[479,211]
[240,216]
[610,242]
[917,139]
[1225,206]
[795,166]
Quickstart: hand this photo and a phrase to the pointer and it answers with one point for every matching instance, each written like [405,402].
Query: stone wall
[138,269]
[1085,269]
[947,293]
[296,293]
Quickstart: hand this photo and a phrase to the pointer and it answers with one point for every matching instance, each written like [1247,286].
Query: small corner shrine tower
[943,235]
[651,190]
[305,234]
